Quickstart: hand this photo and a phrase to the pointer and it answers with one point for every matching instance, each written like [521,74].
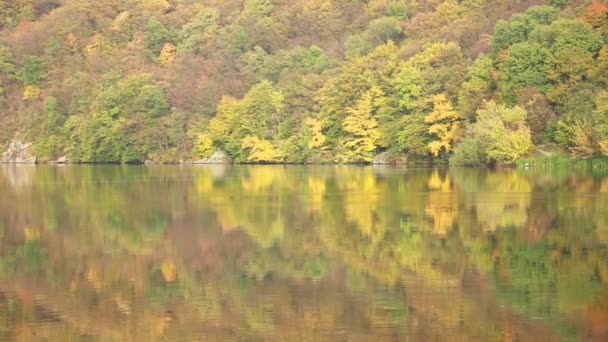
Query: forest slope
[304,80]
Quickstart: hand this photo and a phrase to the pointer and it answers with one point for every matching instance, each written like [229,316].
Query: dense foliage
[304,80]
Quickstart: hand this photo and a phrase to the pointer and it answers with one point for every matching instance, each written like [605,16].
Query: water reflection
[306,253]
[18,175]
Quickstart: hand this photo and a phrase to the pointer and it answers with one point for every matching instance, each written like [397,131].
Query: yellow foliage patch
[32,92]
[169,271]
[168,54]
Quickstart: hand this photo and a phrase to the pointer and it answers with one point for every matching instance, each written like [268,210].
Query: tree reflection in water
[311,253]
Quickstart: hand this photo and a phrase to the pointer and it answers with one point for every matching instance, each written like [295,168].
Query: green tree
[7,60]
[260,8]
[258,115]
[356,46]
[382,30]
[7,70]
[397,10]
[500,134]
[559,3]
[413,138]
[479,86]
[519,27]
[122,123]
[196,35]
[51,144]
[32,71]
[156,37]
[601,115]
[525,66]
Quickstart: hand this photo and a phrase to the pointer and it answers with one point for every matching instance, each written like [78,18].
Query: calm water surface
[265,253]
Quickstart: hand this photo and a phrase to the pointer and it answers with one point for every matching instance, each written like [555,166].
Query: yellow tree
[260,150]
[203,146]
[167,54]
[317,139]
[601,117]
[444,124]
[362,134]
[32,92]
[220,131]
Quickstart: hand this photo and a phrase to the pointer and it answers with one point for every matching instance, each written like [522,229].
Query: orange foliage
[596,15]
[598,317]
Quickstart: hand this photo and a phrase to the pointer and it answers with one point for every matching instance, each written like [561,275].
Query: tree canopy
[309,80]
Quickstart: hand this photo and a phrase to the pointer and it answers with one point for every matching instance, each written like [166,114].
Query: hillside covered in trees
[475,81]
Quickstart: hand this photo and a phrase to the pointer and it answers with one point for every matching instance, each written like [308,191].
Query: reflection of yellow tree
[604,186]
[498,199]
[288,280]
[316,191]
[442,205]
[258,207]
[361,195]
[376,228]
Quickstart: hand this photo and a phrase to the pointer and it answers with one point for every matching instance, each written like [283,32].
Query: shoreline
[531,163]
[235,163]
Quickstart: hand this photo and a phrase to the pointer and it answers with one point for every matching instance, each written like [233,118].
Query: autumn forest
[464,81]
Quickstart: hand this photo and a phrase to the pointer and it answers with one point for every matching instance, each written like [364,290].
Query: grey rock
[18,152]
[381,159]
[61,160]
[385,159]
[219,157]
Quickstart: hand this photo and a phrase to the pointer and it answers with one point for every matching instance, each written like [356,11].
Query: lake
[302,253]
